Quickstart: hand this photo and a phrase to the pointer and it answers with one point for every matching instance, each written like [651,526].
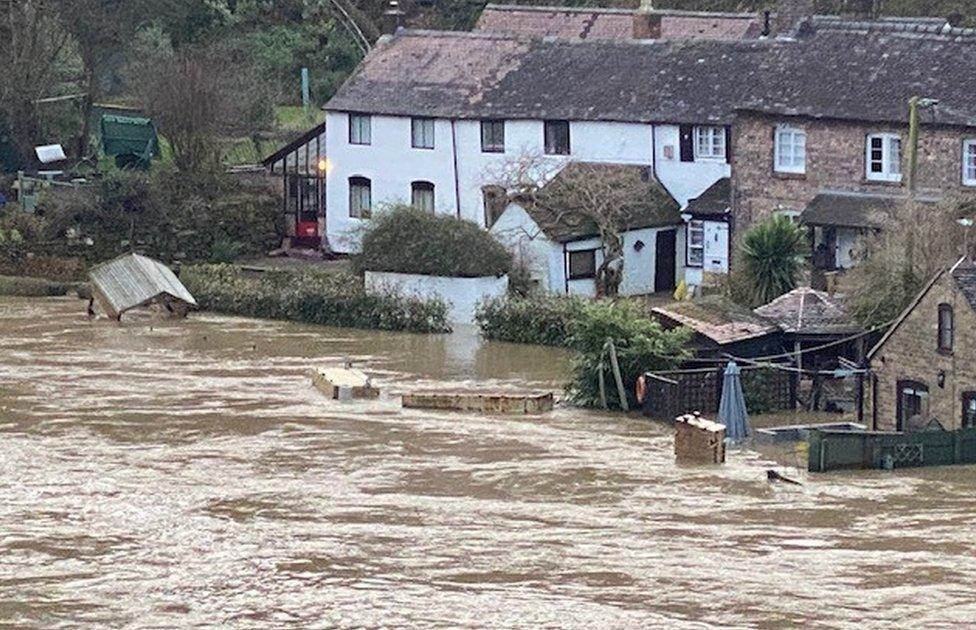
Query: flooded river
[185,474]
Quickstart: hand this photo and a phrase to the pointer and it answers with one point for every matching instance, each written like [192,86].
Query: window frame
[795,132]
[920,390]
[552,149]
[945,310]
[715,138]
[570,276]
[968,400]
[353,127]
[423,124]
[493,197]
[689,246]
[491,126]
[969,162]
[887,141]
[358,181]
[423,187]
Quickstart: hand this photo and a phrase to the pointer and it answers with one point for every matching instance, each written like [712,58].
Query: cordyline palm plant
[771,257]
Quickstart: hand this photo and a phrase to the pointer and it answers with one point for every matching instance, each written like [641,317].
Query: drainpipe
[457,186]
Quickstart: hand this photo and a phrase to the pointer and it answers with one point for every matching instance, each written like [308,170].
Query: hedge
[404,239]
[544,320]
[584,326]
[314,297]
[20,286]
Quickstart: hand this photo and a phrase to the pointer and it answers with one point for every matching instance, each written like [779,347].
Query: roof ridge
[537,8]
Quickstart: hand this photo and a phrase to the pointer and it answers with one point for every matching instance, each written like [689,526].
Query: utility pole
[915,104]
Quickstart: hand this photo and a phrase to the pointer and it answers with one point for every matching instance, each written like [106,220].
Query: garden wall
[461,294]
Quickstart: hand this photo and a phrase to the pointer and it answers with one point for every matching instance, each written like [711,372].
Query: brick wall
[835,161]
[911,353]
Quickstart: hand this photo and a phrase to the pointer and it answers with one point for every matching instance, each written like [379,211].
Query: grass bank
[22,286]
[314,297]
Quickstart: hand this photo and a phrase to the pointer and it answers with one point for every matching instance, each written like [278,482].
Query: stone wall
[835,162]
[911,353]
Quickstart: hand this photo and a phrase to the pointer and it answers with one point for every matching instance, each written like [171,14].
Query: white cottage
[562,250]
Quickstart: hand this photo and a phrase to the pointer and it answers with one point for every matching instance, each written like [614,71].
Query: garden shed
[133,281]
[131,140]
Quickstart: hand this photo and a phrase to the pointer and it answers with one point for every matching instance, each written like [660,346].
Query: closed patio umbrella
[732,409]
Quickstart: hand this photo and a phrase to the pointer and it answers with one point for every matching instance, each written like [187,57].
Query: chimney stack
[647,23]
[790,15]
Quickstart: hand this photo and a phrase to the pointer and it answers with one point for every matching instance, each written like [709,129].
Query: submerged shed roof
[133,280]
[808,311]
[718,319]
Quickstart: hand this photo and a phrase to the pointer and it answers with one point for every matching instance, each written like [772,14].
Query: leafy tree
[770,259]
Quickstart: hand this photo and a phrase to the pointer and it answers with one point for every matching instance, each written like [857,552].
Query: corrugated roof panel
[134,280]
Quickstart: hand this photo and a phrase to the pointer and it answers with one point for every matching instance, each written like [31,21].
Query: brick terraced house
[925,366]
[830,145]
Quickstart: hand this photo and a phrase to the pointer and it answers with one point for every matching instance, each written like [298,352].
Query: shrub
[404,239]
[313,297]
[771,258]
[545,320]
[33,287]
[641,345]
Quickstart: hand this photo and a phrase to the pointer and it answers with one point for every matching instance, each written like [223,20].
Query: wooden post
[621,390]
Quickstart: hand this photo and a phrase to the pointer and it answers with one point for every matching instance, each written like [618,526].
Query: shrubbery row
[311,297]
[641,343]
[33,287]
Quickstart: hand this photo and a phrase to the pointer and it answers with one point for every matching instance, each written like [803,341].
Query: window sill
[893,183]
[944,352]
[495,151]
[360,144]
[789,175]
[567,154]
[423,148]
[710,160]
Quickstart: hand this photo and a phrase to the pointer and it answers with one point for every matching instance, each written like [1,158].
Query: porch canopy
[850,210]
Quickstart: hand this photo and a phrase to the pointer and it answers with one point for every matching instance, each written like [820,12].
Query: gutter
[457,185]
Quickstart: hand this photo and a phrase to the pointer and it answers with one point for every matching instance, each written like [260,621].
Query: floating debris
[344,383]
[501,402]
[134,281]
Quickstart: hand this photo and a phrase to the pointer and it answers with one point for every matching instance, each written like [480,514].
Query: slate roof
[715,201]
[718,319]
[607,23]
[851,210]
[570,22]
[806,311]
[657,208]
[832,74]
[965,276]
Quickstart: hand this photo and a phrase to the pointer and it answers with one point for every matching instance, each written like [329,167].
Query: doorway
[665,261]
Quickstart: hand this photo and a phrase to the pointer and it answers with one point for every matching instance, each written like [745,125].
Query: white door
[716,247]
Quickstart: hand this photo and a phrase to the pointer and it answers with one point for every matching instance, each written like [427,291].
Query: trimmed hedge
[313,297]
[404,239]
[544,320]
[20,286]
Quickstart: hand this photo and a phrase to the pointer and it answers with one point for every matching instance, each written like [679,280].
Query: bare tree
[34,54]
[198,95]
[914,245]
[603,199]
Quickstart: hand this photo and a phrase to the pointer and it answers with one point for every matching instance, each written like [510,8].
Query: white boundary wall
[461,294]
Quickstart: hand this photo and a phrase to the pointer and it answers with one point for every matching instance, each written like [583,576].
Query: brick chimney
[790,14]
[647,24]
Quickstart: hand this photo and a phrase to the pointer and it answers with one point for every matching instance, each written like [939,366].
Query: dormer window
[946,328]
[884,157]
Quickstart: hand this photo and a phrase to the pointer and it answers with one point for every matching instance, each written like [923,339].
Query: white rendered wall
[461,294]
[459,169]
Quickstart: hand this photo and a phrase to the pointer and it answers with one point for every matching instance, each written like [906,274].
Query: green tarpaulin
[129,139]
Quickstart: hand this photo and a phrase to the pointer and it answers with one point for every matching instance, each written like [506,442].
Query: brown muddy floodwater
[185,474]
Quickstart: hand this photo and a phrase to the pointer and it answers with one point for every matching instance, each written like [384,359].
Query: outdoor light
[942,379]
[639,245]
[324,166]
